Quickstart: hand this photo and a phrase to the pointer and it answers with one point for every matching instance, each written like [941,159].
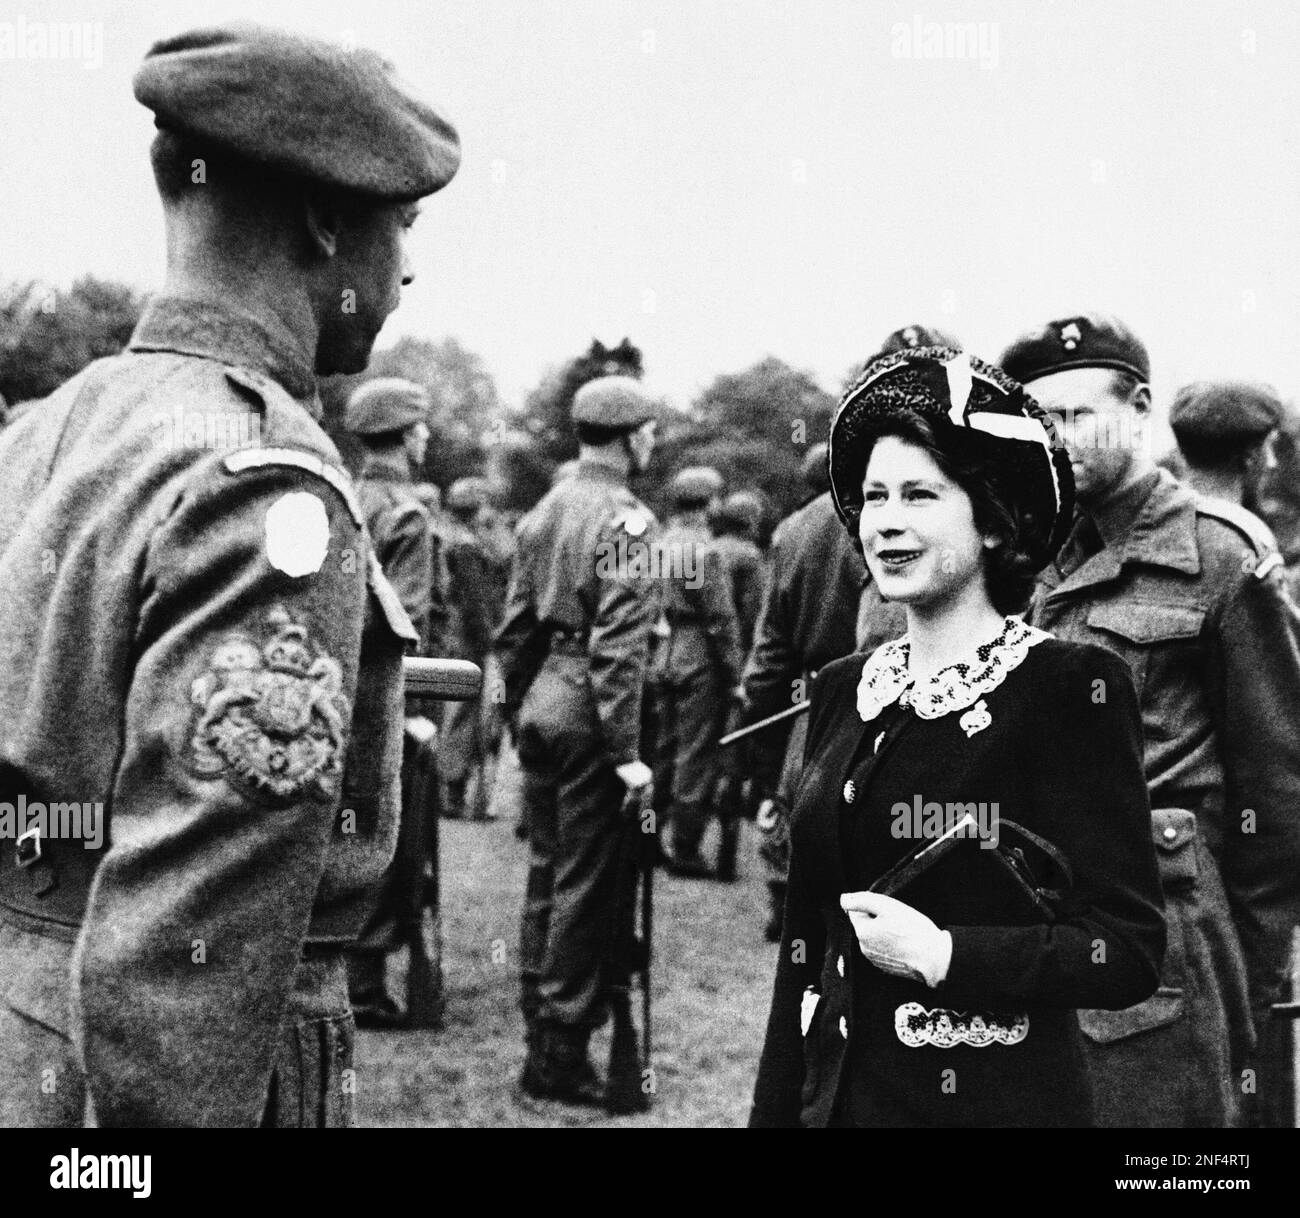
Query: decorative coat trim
[944,1029]
[886,679]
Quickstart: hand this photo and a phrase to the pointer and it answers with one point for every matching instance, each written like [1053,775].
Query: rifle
[444,681]
[742,733]
[624,1090]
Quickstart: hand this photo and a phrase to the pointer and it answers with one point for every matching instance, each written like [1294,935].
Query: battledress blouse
[1042,732]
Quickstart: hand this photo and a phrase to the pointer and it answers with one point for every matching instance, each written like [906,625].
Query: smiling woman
[953,1002]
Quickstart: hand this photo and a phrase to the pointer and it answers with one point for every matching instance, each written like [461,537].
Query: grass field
[712,981]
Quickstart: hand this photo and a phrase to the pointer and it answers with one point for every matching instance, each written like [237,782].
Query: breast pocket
[1148,634]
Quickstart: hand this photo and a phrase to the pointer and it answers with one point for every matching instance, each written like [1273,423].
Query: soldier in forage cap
[389,416]
[215,657]
[573,650]
[476,613]
[1187,589]
[735,525]
[698,670]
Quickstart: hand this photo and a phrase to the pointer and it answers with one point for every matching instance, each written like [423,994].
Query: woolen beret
[973,409]
[387,403]
[308,108]
[1230,411]
[617,403]
[1086,340]
[695,484]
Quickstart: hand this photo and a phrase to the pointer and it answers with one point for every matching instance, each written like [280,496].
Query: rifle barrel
[740,733]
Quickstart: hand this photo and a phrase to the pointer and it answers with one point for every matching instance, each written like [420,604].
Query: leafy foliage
[47,335]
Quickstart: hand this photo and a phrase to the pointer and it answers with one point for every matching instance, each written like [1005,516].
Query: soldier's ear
[1142,398]
[324,222]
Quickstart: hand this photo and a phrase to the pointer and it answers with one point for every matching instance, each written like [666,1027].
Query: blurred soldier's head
[1225,432]
[388,414]
[467,498]
[290,170]
[697,488]
[616,421]
[740,514]
[1090,372]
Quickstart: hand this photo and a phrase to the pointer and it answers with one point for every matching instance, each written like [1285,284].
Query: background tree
[754,427]
[48,335]
[466,415]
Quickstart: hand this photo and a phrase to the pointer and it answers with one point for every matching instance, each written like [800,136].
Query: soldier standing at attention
[390,417]
[1188,591]
[196,635]
[573,649]
[474,616]
[698,674]
[735,525]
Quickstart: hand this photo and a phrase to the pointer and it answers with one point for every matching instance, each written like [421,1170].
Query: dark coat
[1055,758]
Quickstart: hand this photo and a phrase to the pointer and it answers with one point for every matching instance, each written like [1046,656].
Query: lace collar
[885,677]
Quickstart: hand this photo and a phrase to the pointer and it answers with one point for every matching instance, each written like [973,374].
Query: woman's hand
[898,939]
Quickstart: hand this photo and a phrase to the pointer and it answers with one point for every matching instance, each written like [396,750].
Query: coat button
[844,1027]
[839,964]
[850,791]
[1170,833]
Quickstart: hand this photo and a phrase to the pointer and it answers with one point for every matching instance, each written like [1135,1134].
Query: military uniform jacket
[810,606]
[401,532]
[583,575]
[742,570]
[1027,731]
[470,584]
[1192,601]
[196,636]
[698,606]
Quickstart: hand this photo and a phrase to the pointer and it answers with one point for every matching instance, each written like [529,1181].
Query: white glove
[420,729]
[898,939]
[637,778]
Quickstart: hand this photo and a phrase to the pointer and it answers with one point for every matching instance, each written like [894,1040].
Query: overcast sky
[726,179]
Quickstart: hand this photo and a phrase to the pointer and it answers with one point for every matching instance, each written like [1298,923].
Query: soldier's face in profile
[1105,431]
[371,268]
[641,443]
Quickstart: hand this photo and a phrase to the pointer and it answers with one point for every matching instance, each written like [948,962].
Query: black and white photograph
[579,564]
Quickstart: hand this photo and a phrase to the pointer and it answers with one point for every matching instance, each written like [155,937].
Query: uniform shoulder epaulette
[1250,526]
[293,458]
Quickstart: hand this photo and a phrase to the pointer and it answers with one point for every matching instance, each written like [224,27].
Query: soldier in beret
[390,418]
[1187,589]
[196,635]
[1225,432]
[697,672]
[573,651]
[735,525]
[476,613]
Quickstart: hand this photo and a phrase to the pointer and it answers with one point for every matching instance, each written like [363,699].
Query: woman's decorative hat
[971,405]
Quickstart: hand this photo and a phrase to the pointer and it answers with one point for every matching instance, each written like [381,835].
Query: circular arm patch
[297,534]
